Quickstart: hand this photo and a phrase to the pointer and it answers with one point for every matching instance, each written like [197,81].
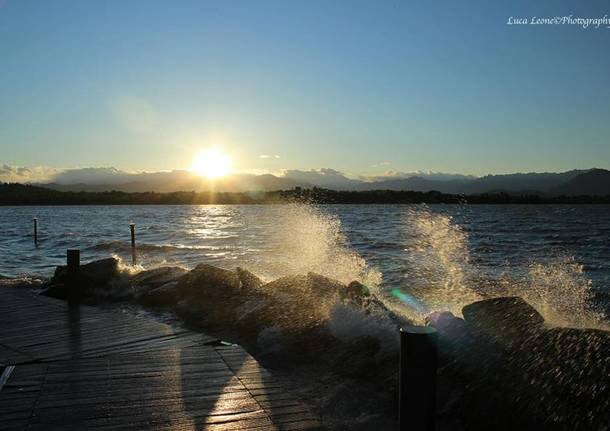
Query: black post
[417,385]
[35,231]
[73,269]
[132,227]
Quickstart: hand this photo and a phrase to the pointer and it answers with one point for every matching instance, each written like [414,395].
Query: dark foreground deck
[74,367]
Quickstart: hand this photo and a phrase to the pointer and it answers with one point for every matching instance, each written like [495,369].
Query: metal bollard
[132,227]
[417,381]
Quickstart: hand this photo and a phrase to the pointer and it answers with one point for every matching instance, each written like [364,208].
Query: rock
[98,272]
[161,296]
[208,295]
[448,326]
[358,358]
[356,292]
[100,278]
[210,281]
[324,287]
[566,372]
[287,284]
[101,271]
[507,320]
[248,280]
[146,281]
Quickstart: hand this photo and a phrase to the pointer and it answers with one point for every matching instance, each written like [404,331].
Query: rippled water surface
[434,252]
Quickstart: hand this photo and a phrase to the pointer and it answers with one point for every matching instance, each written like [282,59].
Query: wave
[442,276]
[434,272]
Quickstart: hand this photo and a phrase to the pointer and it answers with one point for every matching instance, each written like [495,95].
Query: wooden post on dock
[73,270]
[417,381]
[35,231]
[132,227]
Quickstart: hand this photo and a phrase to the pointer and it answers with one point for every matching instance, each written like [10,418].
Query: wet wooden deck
[78,367]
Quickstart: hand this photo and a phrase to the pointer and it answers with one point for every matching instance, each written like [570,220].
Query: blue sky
[359,86]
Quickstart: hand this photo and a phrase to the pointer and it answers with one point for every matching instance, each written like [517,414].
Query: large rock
[209,296]
[248,280]
[100,278]
[149,280]
[209,281]
[100,272]
[567,371]
[162,296]
[507,320]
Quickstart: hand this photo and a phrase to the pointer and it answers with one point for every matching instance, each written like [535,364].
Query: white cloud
[21,174]
[376,165]
[93,176]
[324,177]
[269,156]
[430,175]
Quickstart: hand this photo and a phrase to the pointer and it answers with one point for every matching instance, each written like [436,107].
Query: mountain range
[575,182]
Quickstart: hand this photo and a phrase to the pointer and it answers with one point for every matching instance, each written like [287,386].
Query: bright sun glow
[211,163]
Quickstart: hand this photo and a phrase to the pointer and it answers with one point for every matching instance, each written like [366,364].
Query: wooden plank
[78,367]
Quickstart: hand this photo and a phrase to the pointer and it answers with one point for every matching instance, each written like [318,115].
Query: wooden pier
[75,367]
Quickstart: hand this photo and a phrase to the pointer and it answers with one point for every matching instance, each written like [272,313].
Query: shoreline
[336,344]
[26,195]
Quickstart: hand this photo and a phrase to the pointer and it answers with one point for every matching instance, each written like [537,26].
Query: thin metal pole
[36,231]
[132,227]
[417,384]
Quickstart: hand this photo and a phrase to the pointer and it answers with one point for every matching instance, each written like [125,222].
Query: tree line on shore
[24,194]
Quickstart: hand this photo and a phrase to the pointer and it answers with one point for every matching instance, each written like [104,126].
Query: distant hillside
[594,183]
[574,182]
[167,182]
[20,194]
[540,182]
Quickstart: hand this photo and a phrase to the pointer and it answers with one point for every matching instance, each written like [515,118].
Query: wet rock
[299,297]
[356,292]
[208,295]
[454,337]
[520,374]
[358,358]
[299,305]
[149,280]
[100,278]
[447,325]
[162,296]
[566,373]
[210,281]
[324,287]
[507,320]
[98,272]
[248,280]
[101,271]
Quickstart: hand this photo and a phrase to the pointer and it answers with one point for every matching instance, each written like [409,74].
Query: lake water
[437,256]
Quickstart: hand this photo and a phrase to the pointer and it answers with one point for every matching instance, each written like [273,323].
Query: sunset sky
[359,86]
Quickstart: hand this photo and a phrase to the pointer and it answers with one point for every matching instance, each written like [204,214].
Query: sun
[211,163]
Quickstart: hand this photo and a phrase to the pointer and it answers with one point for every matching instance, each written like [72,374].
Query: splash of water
[438,260]
[442,277]
[561,291]
[310,240]
[127,268]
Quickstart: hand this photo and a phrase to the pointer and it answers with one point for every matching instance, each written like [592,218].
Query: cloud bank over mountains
[105,179]
[324,177]
[18,174]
